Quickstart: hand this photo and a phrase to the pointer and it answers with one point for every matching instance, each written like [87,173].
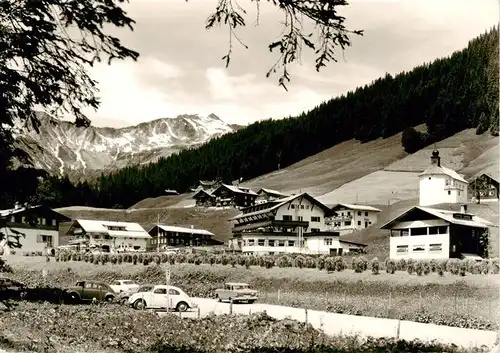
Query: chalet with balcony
[431,233]
[163,236]
[347,218]
[484,187]
[295,224]
[107,236]
[235,196]
[265,195]
[204,198]
[36,228]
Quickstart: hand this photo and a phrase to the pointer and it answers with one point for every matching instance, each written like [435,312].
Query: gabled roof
[202,191]
[133,230]
[183,230]
[271,192]
[436,170]
[491,175]
[12,211]
[236,189]
[445,215]
[356,207]
[282,202]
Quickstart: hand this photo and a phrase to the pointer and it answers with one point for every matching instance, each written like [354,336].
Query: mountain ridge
[62,147]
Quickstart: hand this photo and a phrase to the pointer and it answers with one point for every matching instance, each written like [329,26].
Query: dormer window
[119,228]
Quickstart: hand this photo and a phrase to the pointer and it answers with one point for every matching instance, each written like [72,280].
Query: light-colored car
[238,292]
[124,285]
[155,297]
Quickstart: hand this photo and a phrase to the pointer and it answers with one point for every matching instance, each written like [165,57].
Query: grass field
[419,298]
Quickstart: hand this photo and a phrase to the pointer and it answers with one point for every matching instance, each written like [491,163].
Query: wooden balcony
[269,223]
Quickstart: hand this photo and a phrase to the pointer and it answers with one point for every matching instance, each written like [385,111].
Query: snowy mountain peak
[62,147]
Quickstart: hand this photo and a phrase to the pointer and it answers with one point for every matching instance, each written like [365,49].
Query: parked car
[238,292]
[11,289]
[124,285]
[84,291]
[155,297]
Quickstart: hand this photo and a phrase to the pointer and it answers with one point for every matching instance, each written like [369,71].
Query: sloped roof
[271,192]
[237,189]
[133,230]
[12,211]
[208,192]
[436,170]
[281,203]
[356,207]
[446,215]
[184,230]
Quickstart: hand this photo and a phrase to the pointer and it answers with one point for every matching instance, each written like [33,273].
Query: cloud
[180,70]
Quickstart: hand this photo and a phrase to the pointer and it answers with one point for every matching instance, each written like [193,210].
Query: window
[281,243]
[359,223]
[429,178]
[173,292]
[302,207]
[287,217]
[418,248]
[307,207]
[89,285]
[366,214]
[438,230]
[291,243]
[449,192]
[160,291]
[359,213]
[347,223]
[251,242]
[349,213]
[270,242]
[315,219]
[47,239]
[315,230]
[402,249]
[435,247]
[300,218]
[261,242]
[328,241]
[293,206]
[419,231]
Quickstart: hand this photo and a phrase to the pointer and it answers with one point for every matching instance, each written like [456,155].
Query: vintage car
[84,291]
[237,292]
[155,297]
[124,285]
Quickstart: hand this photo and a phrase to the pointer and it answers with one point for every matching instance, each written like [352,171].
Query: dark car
[88,291]
[11,289]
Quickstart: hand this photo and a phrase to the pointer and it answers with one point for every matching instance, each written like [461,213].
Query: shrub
[340,263]
[484,267]
[375,266]
[157,259]
[135,259]
[248,262]
[119,259]
[433,265]
[299,262]
[320,263]
[145,261]
[463,267]
[401,265]
[224,260]
[453,266]
[140,258]
[86,258]
[329,264]
[284,261]
[426,267]
[359,264]
[410,266]
[390,266]
[164,258]
[232,261]
[113,259]
[494,266]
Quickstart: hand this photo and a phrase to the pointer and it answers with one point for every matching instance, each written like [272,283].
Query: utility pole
[158,233]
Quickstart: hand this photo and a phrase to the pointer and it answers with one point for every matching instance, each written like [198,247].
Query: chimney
[463,209]
[435,159]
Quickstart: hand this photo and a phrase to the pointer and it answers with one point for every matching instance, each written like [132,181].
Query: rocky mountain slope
[62,147]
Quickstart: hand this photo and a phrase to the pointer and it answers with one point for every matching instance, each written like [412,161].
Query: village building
[235,196]
[265,195]
[438,184]
[107,236]
[163,236]
[37,228]
[295,224]
[207,185]
[204,198]
[430,233]
[484,187]
[347,218]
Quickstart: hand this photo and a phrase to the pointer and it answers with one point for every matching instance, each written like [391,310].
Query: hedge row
[359,264]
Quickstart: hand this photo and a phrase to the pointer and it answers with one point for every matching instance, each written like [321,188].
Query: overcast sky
[180,70]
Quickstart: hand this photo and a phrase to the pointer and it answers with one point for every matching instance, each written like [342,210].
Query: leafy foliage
[447,95]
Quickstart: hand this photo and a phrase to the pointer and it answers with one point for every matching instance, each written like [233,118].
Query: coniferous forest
[448,95]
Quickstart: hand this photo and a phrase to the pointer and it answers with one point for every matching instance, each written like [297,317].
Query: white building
[429,233]
[348,218]
[265,195]
[163,236]
[295,224]
[438,184]
[107,236]
[37,228]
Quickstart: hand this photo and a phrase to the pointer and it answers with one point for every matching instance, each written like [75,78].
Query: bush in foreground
[128,330]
